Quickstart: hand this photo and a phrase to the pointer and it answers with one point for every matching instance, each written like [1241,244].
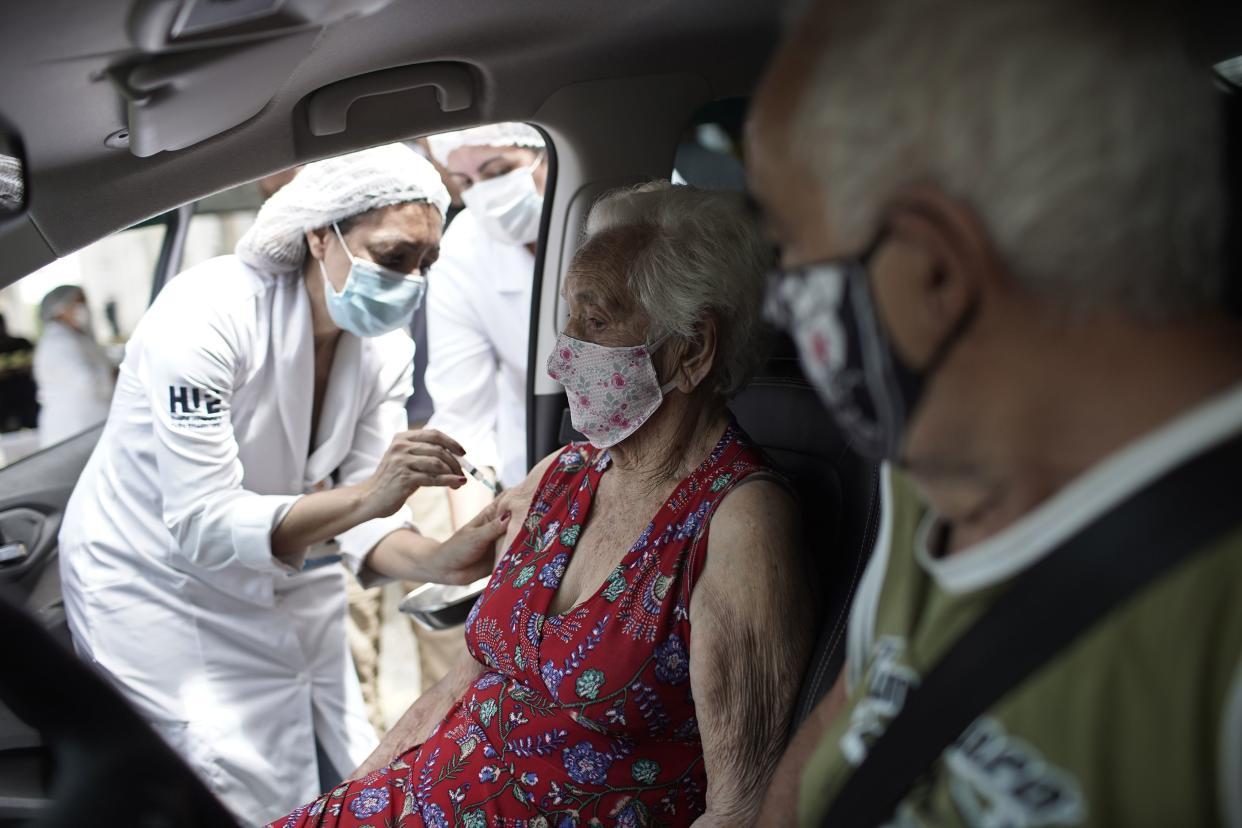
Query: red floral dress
[581,719]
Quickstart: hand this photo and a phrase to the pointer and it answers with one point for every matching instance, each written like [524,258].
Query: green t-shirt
[1138,722]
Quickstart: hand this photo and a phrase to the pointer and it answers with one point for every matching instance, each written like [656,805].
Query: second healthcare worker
[478,311]
[257,431]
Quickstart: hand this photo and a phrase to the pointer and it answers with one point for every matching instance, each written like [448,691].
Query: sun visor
[206,66]
[175,101]
[165,25]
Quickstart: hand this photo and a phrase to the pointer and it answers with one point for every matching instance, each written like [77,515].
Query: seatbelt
[1047,608]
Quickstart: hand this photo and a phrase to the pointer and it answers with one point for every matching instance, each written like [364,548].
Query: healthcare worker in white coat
[258,430]
[478,308]
[74,376]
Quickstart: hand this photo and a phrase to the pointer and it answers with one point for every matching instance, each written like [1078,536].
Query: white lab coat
[478,325]
[75,379]
[169,582]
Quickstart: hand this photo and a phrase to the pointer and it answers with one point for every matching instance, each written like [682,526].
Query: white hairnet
[57,299]
[492,135]
[333,190]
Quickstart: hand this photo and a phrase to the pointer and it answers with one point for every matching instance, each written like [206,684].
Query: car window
[118,276]
[709,151]
[115,276]
[218,222]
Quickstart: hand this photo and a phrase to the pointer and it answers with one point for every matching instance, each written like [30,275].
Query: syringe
[470,469]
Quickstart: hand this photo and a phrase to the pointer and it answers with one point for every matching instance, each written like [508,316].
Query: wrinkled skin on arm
[780,803]
[750,617]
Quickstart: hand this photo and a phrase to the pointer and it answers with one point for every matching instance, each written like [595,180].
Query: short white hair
[1083,133]
[699,253]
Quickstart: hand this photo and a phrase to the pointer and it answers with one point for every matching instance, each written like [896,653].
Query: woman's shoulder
[53,346]
[219,303]
[748,484]
[741,454]
[222,285]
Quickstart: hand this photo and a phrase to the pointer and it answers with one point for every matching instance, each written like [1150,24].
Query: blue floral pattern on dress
[369,802]
[585,765]
[672,662]
[551,573]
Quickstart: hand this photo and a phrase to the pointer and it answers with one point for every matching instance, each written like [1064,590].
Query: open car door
[33,494]
[96,761]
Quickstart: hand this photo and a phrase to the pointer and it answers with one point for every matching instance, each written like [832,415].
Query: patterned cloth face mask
[612,391]
[830,312]
[375,299]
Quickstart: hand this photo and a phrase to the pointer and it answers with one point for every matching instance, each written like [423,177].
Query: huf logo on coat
[194,407]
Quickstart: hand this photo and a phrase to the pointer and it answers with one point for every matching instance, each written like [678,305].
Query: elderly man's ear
[695,357]
[935,261]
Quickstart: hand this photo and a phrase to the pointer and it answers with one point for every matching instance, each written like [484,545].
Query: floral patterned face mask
[612,391]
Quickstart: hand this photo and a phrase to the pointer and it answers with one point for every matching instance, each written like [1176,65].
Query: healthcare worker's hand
[423,457]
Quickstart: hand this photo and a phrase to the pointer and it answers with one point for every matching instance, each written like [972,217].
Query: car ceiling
[58,59]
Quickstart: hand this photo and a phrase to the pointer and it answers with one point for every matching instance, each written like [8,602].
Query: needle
[478,475]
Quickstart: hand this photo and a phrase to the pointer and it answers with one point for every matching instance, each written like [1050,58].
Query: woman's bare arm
[424,715]
[750,616]
[780,804]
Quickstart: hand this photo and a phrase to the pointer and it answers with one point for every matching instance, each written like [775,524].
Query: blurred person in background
[75,378]
[478,315]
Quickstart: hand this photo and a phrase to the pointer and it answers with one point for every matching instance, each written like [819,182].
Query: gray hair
[59,298]
[1083,133]
[700,253]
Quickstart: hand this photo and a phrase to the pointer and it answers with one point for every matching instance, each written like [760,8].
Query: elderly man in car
[1002,234]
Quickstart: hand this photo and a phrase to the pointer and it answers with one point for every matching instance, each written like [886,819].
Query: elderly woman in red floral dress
[634,659]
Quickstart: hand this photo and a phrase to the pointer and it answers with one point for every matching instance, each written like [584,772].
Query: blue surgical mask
[375,299]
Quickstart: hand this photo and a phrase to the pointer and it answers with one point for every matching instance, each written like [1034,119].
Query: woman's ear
[317,242]
[698,355]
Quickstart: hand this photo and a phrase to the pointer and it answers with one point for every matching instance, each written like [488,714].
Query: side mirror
[14,186]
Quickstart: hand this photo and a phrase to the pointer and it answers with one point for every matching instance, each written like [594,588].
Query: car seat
[838,493]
